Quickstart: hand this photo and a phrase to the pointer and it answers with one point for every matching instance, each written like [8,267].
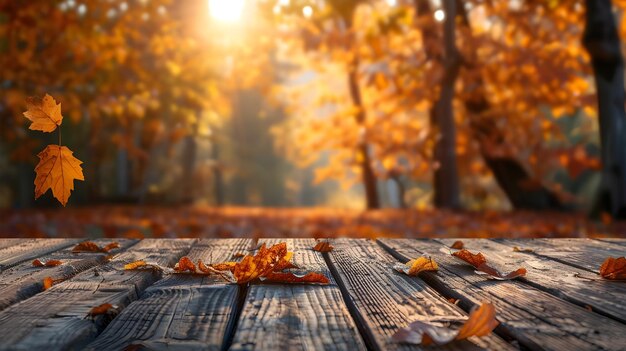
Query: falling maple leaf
[287,277]
[323,246]
[105,308]
[481,322]
[415,266]
[90,246]
[49,263]
[458,245]
[57,169]
[613,268]
[45,115]
[480,263]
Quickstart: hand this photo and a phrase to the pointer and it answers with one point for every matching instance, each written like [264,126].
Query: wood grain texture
[24,280]
[55,319]
[582,253]
[562,280]
[6,242]
[383,300]
[537,319]
[183,312]
[30,249]
[297,316]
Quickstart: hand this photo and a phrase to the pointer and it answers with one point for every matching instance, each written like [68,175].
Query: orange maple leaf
[45,115]
[57,170]
[614,268]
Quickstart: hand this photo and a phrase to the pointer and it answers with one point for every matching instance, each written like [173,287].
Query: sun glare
[226,10]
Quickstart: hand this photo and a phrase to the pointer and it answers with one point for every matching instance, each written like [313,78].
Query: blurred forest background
[454,117]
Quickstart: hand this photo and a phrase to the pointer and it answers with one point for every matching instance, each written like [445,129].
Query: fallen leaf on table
[480,263]
[185,265]
[49,263]
[90,246]
[224,266]
[415,266]
[613,268]
[105,308]
[287,277]
[285,262]
[458,245]
[266,262]
[481,322]
[323,246]
[517,249]
[45,115]
[135,265]
[57,169]
[47,283]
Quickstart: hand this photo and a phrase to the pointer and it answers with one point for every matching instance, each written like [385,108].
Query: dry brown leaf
[90,246]
[415,266]
[57,169]
[323,246]
[47,283]
[517,249]
[286,277]
[474,259]
[613,268]
[134,265]
[480,263]
[480,323]
[105,308]
[259,265]
[49,263]
[45,115]
[185,265]
[457,245]
[224,266]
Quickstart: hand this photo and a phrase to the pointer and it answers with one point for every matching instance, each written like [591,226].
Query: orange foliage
[49,263]
[90,246]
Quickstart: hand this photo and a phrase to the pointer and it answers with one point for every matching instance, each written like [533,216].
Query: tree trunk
[218,183]
[602,42]
[367,173]
[446,181]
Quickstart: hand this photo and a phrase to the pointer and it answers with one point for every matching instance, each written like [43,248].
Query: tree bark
[367,173]
[601,40]
[446,181]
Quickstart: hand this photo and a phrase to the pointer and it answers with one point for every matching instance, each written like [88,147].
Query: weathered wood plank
[6,242]
[298,317]
[30,249]
[582,253]
[23,280]
[619,241]
[382,300]
[534,317]
[180,311]
[55,318]
[560,279]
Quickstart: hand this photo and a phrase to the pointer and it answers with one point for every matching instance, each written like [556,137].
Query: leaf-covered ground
[172,222]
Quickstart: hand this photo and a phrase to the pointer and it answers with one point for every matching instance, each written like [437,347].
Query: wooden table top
[561,304]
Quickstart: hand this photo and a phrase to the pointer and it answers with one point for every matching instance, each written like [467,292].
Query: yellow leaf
[45,115]
[57,170]
[415,266]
